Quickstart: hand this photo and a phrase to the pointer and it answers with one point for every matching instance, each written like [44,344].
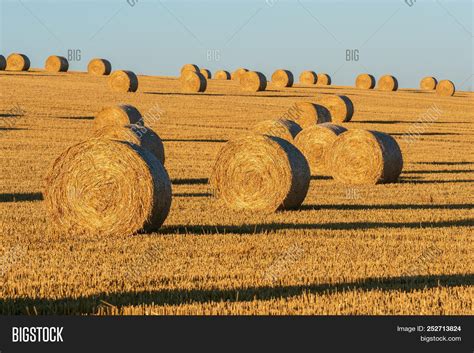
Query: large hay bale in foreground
[323,80]
[189,67]
[282,78]
[308,78]
[334,108]
[260,173]
[253,81]
[222,75]
[283,128]
[56,63]
[365,157]
[237,74]
[365,81]
[123,81]
[446,88]
[193,82]
[315,143]
[428,83]
[3,63]
[387,83]
[206,73]
[118,115]
[18,62]
[137,134]
[99,67]
[106,187]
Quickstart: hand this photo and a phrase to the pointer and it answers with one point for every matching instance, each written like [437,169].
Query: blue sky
[157,37]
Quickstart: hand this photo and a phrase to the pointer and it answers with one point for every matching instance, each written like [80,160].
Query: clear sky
[430,37]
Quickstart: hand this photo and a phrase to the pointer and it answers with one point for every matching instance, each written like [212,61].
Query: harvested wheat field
[398,248]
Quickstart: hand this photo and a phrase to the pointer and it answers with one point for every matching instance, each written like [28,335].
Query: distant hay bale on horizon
[3,63]
[387,83]
[237,74]
[282,78]
[323,80]
[123,81]
[189,67]
[106,187]
[315,143]
[253,81]
[118,115]
[365,81]
[260,173]
[365,157]
[18,62]
[446,88]
[285,129]
[308,78]
[56,63]
[222,75]
[428,83]
[193,82]
[206,73]
[99,67]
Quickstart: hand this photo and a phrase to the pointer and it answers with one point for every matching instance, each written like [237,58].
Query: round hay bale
[365,81]
[18,62]
[123,81]
[222,75]
[365,157]
[137,134]
[306,114]
[118,115]
[189,67]
[308,78]
[106,187]
[206,73]
[334,108]
[56,63]
[323,80]
[3,63]
[282,78]
[315,143]
[387,83]
[260,173]
[283,128]
[237,74]
[99,67]
[253,81]
[428,83]
[193,82]
[446,88]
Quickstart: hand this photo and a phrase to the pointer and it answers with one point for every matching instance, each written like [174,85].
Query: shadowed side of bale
[365,81]
[3,63]
[260,173]
[253,81]
[323,80]
[428,83]
[283,128]
[106,187]
[206,73]
[222,75]
[315,143]
[308,78]
[193,82]
[99,67]
[237,74]
[446,88]
[137,134]
[123,81]
[18,62]
[118,115]
[365,157]
[282,78]
[56,63]
[387,83]
[189,67]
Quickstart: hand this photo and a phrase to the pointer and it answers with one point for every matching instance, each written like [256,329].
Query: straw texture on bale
[253,81]
[283,128]
[56,63]
[237,74]
[260,173]
[323,79]
[123,81]
[118,115]
[334,108]
[3,63]
[106,187]
[307,114]
[315,143]
[137,134]
[206,73]
[189,67]
[365,81]
[446,88]
[428,83]
[192,81]
[387,83]
[365,157]
[282,78]
[222,75]
[18,62]
[99,67]
[308,78]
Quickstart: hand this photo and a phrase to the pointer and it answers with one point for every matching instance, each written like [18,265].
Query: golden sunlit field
[403,248]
